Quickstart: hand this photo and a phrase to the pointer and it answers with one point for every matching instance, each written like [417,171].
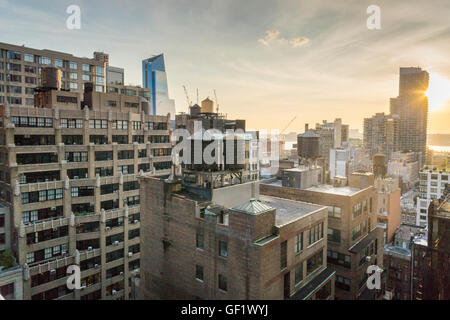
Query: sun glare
[438,92]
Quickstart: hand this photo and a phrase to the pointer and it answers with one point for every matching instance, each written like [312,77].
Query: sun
[438,92]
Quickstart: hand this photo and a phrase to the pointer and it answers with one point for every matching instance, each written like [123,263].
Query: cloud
[273,36]
[298,41]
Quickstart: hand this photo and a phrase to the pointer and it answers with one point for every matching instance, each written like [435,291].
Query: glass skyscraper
[154,78]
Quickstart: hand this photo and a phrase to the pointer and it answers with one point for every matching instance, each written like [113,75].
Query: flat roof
[301,169]
[288,211]
[342,191]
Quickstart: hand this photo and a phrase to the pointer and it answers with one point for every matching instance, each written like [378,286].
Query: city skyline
[315,60]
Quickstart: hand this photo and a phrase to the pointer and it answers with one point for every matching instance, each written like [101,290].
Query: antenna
[217,101]
[197,96]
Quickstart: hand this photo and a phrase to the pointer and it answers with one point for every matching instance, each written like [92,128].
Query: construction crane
[217,101]
[189,102]
[289,124]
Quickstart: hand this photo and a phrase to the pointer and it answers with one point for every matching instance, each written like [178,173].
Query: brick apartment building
[68,172]
[210,235]
[227,247]
[354,240]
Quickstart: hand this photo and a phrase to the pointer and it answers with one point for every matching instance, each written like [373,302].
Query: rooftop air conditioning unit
[130,254]
[116,243]
[90,248]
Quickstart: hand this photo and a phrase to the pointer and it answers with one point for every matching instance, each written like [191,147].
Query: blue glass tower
[154,78]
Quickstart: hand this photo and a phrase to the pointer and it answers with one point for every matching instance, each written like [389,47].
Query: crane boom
[289,124]
[189,102]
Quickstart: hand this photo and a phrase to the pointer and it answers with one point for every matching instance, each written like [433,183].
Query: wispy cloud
[273,36]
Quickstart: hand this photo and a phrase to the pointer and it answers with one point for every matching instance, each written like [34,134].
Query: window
[200,241]
[316,233]
[85,67]
[356,232]
[199,272]
[283,255]
[86,77]
[99,71]
[98,124]
[339,259]
[28,57]
[45,60]
[334,235]
[299,242]
[334,212]
[222,282]
[30,257]
[120,125]
[59,63]
[73,76]
[71,123]
[137,125]
[223,249]
[73,65]
[314,262]
[299,274]
[357,210]
[73,86]
[99,80]
[47,253]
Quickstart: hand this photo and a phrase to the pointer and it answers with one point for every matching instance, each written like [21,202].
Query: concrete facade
[70,178]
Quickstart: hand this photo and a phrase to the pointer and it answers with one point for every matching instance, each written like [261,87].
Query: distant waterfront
[440,148]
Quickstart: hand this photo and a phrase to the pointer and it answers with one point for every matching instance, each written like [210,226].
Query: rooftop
[301,169]
[253,207]
[389,248]
[341,191]
[288,211]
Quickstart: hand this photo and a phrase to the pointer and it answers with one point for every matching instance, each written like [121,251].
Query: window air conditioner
[116,243]
[130,254]
[90,248]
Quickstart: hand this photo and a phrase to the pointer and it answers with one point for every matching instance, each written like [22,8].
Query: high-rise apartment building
[411,106]
[331,135]
[68,172]
[432,186]
[21,67]
[381,134]
[154,77]
[354,240]
[405,166]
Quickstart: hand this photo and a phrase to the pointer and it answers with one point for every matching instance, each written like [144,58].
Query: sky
[268,60]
